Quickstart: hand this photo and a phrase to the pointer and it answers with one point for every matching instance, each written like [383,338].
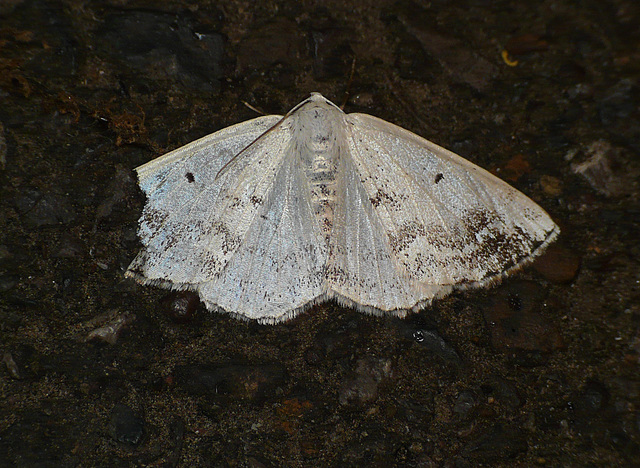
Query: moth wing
[361,271]
[196,216]
[165,175]
[447,221]
[278,269]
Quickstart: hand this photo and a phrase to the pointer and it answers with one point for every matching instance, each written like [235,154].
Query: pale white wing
[166,174]
[196,216]
[278,270]
[361,271]
[447,222]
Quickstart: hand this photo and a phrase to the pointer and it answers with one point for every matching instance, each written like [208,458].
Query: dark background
[98,371]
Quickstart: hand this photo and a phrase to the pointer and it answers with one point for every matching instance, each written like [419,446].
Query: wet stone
[51,26]
[3,148]
[372,448]
[572,113]
[465,403]
[558,264]
[12,367]
[617,103]
[504,392]
[125,426]
[68,247]
[331,51]
[120,187]
[254,462]
[280,42]
[455,57]
[334,343]
[176,435]
[573,75]
[111,325]
[416,411]
[9,6]
[411,60]
[8,281]
[593,414]
[41,436]
[599,166]
[362,384]
[20,362]
[180,306]
[12,317]
[5,254]
[432,341]
[590,401]
[314,355]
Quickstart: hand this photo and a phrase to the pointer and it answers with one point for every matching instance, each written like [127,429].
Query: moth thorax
[319,128]
[319,136]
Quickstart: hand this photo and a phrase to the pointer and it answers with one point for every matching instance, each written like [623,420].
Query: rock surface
[541,370]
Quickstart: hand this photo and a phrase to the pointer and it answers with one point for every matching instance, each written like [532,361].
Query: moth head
[318,124]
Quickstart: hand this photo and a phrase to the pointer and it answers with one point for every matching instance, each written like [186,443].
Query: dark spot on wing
[439,177]
[190,177]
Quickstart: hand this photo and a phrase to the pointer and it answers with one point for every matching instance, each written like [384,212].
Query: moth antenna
[347,93]
[254,109]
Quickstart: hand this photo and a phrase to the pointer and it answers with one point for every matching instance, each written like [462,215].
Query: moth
[265,218]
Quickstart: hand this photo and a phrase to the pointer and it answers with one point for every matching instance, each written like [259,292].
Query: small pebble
[552,186]
[361,386]
[180,306]
[597,169]
[558,265]
[12,367]
[109,331]
[125,426]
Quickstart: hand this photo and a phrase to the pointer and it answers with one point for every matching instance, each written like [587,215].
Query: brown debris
[526,44]
[129,127]
[515,168]
[558,265]
[516,323]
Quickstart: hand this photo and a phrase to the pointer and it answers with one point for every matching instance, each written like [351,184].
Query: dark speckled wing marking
[194,221]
